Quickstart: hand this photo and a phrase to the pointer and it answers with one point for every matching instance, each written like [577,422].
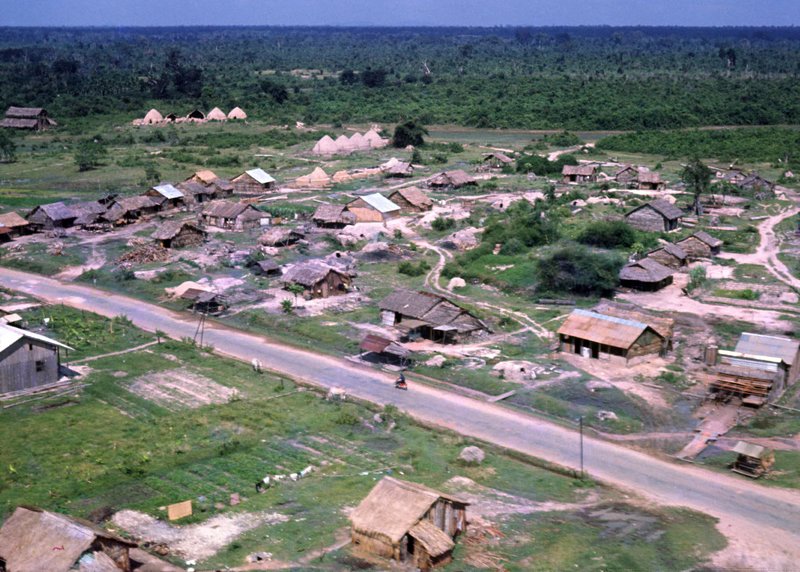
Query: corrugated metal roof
[380,203]
[601,329]
[168,191]
[749,449]
[771,346]
[261,176]
[9,335]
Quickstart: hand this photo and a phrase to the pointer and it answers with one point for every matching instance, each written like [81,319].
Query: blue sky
[399,12]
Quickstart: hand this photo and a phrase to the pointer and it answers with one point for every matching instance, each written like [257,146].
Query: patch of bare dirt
[179,388]
[195,541]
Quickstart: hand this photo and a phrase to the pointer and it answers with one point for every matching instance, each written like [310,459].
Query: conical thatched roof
[375,140]
[357,141]
[325,146]
[316,179]
[343,145]
[153,116]
[216,115]
[237,113]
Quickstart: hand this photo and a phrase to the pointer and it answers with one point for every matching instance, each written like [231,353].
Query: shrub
[576,269]
[608,234]
[410,269]
[697,278]
[441,224]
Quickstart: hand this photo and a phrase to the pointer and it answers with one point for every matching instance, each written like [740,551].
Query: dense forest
[575,78]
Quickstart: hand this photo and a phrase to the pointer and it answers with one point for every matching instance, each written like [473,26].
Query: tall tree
[697,178]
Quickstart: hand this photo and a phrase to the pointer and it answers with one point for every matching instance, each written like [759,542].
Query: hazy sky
[399,12]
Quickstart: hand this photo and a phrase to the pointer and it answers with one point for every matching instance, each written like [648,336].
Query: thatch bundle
[343,145]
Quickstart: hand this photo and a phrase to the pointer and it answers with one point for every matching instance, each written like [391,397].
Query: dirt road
[763,523]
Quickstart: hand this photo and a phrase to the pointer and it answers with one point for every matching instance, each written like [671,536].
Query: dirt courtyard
[178,389]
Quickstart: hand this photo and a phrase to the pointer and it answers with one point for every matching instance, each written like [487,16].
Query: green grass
[784,473]
[746,294]
[36,258]
[751,273]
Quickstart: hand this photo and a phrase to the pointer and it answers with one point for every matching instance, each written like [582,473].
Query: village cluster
[245,246]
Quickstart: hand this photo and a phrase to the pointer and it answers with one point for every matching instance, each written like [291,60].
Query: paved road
[747,511]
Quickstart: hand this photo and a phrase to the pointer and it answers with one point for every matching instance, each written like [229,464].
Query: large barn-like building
[610,338]
[34,118]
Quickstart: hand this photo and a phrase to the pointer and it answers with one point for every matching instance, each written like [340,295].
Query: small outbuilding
[651,181]
[758,185]
[36,540]
[579,173]
[204,177]
[279,236]
[700,245]
[266,267]
[130,209]
[411,200]
[13,225]
[408,522]
[318,280]
[373,208]
[386,350]
[452,180]
[497,160]
[430,316]
[34,118]
[599,336]
[670,255]
[179,234]
[627,175]
[752,460]
[333,216]
[52,216]
[195,193]
[27,360]
[399,169]
[656,216]
[253,182]
[166,195]
[233,216]
[645,274]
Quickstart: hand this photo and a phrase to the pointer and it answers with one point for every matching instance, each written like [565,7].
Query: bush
[563,139]
[575,269]
[608,234]
[523,222]
[441,224]
[697,278]
[411,269]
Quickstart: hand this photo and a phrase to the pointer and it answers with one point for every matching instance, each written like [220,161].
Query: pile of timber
[742,380]
[144,254]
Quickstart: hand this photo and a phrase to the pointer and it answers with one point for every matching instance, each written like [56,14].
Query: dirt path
[432,280]
[553,155]
[96,260]
[112,354]
[769,246]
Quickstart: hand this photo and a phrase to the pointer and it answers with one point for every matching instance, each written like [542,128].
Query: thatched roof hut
[27,118]
[237,113]
[432,316]
[656,216]
[35,539]
[326,147]
[645,274]
[333,216]
[452,179]
[411,200]
[204,177]
[178,234]
[318,280]
[216,114]
[152,117]
[408,522]
[12,224]
[233,216]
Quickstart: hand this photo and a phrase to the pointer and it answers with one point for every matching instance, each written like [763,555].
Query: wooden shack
[758,185]
[430,316]
[195,193]
[253,182]
[656,216]
[33,118]
[51,216]
[179,234]
[627,175]
[13,225]
[27,360]
[166,195]
[205,177]
[452,180]
[700,245]
[670,255]
[579,174]
[496,160]
[373,208]
[264,267]
[409,523]
[34,540]
[333,216]
[228,215]
[384,349]
[650,181]
[752,460]
[399,169]
[610,338]
[646,274]
[318,280]
[411,200]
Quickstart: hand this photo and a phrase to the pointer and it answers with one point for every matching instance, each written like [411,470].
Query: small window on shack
[39,365]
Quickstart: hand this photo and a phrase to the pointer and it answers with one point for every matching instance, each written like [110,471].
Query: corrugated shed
[601,329]
[380,203]
[260,176]
[749,449]
[168,191]
[771,346]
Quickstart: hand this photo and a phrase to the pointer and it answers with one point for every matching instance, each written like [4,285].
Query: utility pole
[581,431]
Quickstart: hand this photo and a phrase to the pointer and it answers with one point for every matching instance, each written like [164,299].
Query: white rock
[436,361]
[456,283]
[472,455]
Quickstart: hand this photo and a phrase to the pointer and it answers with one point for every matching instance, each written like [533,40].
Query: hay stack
[315,180]
[375,140]
[358,142]
[152,117]
[237,113]
[216,115]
